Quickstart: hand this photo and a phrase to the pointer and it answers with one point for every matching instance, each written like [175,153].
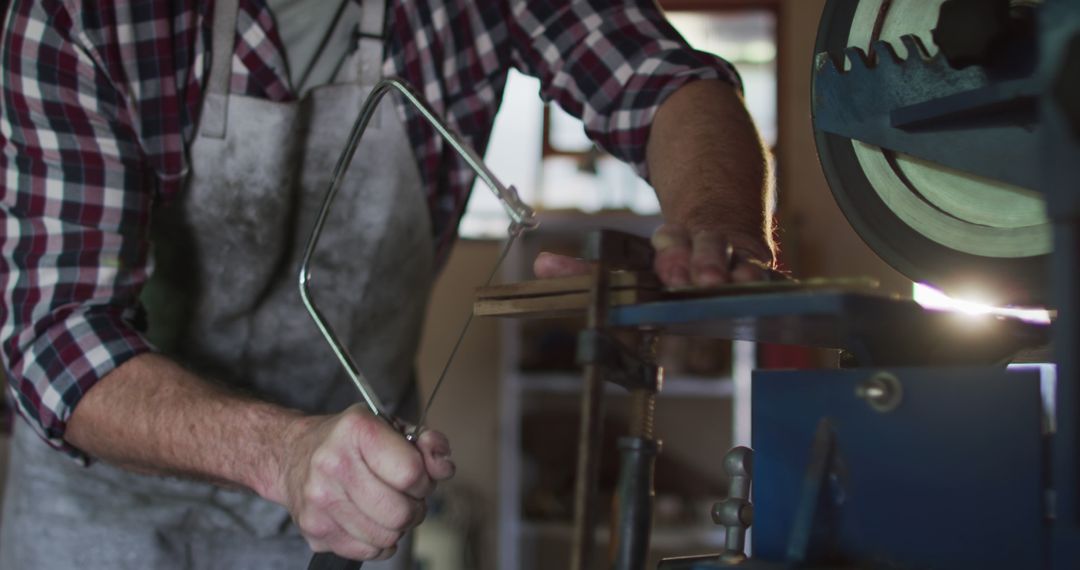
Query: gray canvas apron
[223,302]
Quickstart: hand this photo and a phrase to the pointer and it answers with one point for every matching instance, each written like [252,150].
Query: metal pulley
[933,157]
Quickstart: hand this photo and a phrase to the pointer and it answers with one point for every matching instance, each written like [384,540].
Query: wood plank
[565,285]
[566,297]
[562,305]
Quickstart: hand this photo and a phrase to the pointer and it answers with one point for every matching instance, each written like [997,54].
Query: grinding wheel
[963,233]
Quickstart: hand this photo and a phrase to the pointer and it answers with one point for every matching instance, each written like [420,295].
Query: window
[545,154]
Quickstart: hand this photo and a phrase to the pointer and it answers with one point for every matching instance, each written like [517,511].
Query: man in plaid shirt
[101,102]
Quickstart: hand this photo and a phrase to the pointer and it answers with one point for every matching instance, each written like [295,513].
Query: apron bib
[223,302]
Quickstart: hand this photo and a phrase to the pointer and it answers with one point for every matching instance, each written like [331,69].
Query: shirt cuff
[65,360]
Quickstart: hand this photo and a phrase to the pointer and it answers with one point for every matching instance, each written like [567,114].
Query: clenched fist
[355,486]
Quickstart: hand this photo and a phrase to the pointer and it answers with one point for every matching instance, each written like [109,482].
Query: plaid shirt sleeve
[98,101]
[611,63]
[74,203]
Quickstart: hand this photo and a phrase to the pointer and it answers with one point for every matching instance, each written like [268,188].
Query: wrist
[270,478]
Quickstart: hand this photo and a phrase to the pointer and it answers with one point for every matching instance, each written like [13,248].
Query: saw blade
[415,432]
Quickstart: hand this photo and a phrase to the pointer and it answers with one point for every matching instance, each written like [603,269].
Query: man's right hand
[352,484]
[355,486]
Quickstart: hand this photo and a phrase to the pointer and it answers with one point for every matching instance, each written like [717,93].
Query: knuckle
[363,429]
[388,539]
[327,462]
[313,527]
[410,472]
[354,421]
[399,520]
[317,494]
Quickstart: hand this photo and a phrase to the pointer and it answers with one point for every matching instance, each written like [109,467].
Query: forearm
[152,416]
[708,165]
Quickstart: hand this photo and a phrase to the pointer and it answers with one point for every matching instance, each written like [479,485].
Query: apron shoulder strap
[372,37]
[223,43]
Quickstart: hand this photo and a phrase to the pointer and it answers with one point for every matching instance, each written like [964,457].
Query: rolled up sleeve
[610,63]
[74,206]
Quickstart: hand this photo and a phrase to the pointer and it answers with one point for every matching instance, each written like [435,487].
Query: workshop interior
[902,392]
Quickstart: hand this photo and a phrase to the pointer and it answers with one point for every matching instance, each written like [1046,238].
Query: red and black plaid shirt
[101,98]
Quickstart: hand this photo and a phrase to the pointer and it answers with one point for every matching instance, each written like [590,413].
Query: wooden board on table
[618,280]
[560,296]
[555,305]
[564,296]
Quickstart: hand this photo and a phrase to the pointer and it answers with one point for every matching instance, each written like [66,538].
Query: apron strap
[372,34]
[223,43]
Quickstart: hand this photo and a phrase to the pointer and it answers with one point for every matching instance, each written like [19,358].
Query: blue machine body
[951,478]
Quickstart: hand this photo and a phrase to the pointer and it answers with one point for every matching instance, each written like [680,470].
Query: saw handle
[331,561]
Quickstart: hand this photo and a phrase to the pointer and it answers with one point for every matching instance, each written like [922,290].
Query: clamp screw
[735,513]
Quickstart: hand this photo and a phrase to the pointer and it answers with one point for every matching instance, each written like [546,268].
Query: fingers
[705,258]
[337,540]
[673,252]
[710,258]
[435,449]
[391,458]
[548,265]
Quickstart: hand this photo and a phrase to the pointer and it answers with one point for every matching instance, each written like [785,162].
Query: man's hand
[355,486]
[711,176]
[705,258]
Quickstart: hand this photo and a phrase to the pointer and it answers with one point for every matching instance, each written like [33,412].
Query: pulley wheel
[968,235]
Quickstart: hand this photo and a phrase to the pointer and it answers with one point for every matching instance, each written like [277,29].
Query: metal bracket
[618,250]
[618,363]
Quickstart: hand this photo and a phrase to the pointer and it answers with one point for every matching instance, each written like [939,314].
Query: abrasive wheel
[960,232]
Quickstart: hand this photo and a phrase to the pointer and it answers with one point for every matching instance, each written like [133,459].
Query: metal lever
[735,513]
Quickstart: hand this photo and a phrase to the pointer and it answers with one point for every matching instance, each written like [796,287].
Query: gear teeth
[915,47]
[858,58]
[885,53]
[855,59]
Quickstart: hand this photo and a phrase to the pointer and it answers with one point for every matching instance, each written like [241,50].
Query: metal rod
[522,216]
[592,431]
